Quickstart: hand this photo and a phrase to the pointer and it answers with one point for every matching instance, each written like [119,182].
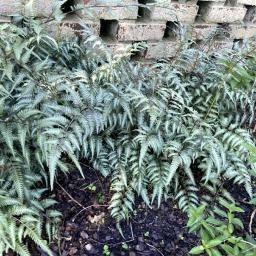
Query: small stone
[68,228]
[139,247]
[84,235]
[157,236]
[140,239]
[132,254]
[88,247]
[55,248]
[95,236]
[108,238]
[73,251]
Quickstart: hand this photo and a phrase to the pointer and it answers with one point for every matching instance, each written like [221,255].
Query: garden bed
[150,231]
[88,230]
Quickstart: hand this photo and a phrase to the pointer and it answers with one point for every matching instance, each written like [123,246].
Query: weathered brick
[73,27]
[202,31]
[8,7]
[163,49]
[42,7]
[218,13]
[5,19]
[109,9]
[215,46]
[110,13]
[118,47]
[140,31]
[37,7]
[241,31]
[176,12]
[246,2]
[108,2]
[218,1]
[222,45]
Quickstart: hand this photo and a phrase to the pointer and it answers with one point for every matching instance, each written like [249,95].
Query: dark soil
[88,228]
[84,232]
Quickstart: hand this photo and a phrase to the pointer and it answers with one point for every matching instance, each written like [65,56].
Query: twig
[156,249]
[131,231]
[251,220]
[112,244]
[71,197]
[75,201]
[86,208]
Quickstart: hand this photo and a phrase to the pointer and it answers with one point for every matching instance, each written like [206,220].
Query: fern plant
[147,127]
[158,131]
[24,216]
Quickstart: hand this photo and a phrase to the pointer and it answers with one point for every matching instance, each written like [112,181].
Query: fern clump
[158,131]
[23,214]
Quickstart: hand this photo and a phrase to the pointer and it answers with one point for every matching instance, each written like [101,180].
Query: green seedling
[106,250]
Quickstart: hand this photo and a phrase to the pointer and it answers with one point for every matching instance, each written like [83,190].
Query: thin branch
[112,244]
[156,249]
[251,220]
[76,202]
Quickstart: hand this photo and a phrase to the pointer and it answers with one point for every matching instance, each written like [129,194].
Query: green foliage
[106,250]
[243,71]
[157,131]
[218,231]
[23,214]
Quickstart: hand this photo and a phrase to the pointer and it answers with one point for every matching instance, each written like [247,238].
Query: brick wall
[120,23]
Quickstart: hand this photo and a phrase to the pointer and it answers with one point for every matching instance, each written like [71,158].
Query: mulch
[88,229]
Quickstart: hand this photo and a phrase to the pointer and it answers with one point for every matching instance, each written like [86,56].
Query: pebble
[139,247]
[140,239]
[84,235]
[95,236]
[73,251]
[108,238]
[88,247]
[157,236]
[132,254]
[66,233]
[68,228]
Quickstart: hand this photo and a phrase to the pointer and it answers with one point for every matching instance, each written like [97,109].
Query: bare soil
[88,229]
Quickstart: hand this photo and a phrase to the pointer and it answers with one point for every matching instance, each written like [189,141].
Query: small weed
[146,234]
[125,246]
[91,187]
[181,237]
[106,250]
[100,198]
